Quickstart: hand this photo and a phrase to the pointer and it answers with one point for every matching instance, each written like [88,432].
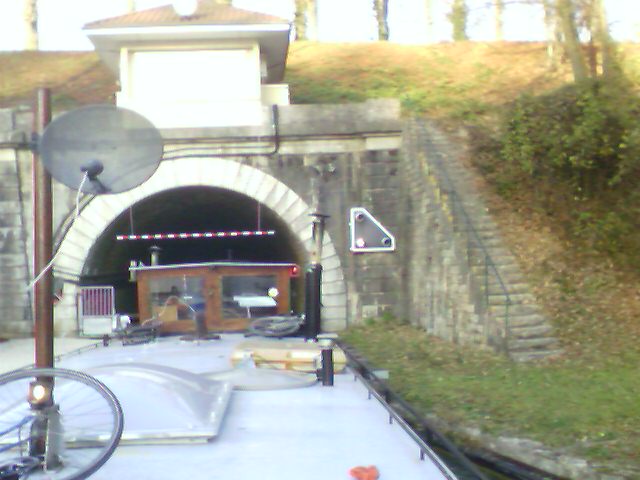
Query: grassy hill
[75,78]
[585,403]
[452,80]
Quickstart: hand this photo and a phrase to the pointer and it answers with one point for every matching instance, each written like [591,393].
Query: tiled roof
[209,12]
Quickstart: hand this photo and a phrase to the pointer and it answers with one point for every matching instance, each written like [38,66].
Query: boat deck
[315,432]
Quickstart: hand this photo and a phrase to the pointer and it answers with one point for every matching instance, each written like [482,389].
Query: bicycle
[56,424]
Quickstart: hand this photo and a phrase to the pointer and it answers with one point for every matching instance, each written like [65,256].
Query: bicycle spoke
[71,434]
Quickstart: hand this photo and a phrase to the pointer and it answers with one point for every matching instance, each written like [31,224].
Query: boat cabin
[216,296]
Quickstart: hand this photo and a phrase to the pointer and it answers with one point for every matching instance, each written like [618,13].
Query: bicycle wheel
[68,421]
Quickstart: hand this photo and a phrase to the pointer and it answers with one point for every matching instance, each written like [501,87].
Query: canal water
[463,473]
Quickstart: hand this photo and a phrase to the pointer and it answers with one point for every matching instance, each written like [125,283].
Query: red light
[294,271]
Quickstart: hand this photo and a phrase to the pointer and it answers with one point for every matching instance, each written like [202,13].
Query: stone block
[333,300]
[334,325]
[7,120]
[9,260]
[10,207]
[14,300]
[11,241]
[12,325]
[7,219]
[8,193]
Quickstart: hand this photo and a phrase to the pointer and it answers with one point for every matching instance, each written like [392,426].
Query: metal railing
[460,216]
[413,423]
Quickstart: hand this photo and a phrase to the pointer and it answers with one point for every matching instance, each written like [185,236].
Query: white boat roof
[317,432]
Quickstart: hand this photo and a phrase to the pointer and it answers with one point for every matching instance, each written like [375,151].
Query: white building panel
[194,88]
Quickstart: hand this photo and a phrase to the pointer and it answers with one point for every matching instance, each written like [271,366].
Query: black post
[42,241]
[327,366]
[313,282]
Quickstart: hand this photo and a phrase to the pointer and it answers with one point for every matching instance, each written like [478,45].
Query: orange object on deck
[365,473]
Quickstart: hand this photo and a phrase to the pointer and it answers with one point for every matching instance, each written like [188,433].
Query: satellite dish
[118,149]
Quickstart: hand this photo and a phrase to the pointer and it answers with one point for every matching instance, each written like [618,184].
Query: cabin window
[249,296]
[177,298]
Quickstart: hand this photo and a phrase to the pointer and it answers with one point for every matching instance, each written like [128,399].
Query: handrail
[386,396]
[441,173]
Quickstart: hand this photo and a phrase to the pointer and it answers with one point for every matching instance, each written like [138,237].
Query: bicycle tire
[86,442]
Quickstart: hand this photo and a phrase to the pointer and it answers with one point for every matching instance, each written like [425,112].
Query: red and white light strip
[179,236]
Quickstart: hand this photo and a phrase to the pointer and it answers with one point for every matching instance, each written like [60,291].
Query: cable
[55,257]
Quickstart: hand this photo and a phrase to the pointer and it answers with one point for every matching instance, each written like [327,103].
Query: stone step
[529,344]
[534,331]
[480,259]
[502,269]
[507,278]
[499,311]
[480,250]
[492,242]
[478,225]
[519,321]
[533,355]
[513,288]
[515,299]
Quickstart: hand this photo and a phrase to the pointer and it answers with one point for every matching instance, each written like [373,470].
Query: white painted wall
[275,94]
[193,87]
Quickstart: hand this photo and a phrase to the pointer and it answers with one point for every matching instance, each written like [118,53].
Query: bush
[584,134]
[576,154]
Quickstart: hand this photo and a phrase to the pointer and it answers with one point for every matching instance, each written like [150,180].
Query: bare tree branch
[30,22]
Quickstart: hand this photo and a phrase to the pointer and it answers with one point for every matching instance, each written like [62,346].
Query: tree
[305,19]
[300,19]
[428,17]
[312,19]
[30,22]
[552,32]
[381,10]
[458,18]
[568,18]
[566,13]
[498,6]
[599,29]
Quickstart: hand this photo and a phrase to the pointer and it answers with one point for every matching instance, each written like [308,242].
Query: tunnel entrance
[200,193]
[188,210]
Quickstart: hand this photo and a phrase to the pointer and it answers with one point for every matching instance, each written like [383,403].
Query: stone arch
[101,211]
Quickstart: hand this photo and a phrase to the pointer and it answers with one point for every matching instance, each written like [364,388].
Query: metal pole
[313,280]
[313,301]
[42,240]
[318,236]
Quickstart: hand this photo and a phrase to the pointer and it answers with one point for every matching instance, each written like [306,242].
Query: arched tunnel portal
[194,209]
[193,195]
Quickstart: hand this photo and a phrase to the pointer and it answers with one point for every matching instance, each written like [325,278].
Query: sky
[61,21]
